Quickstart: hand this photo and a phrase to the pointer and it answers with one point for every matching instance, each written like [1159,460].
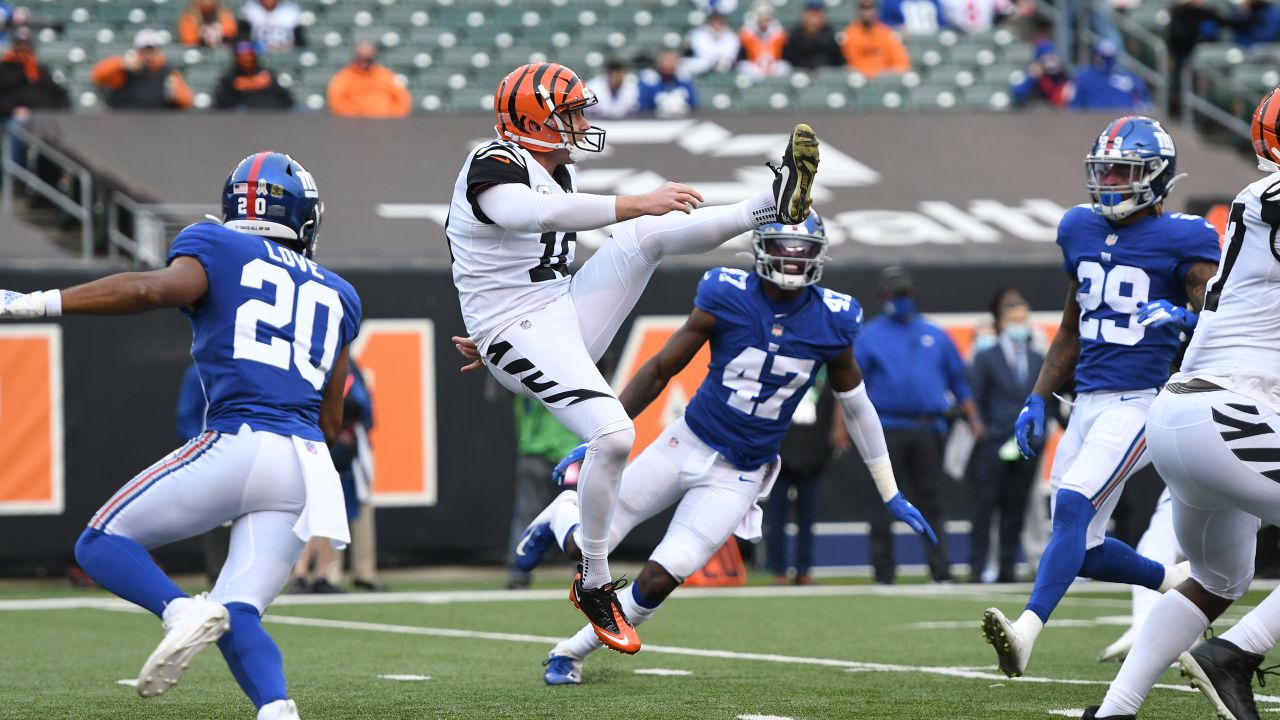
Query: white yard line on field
[958,672]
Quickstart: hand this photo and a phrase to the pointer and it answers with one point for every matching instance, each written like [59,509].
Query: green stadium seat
[1217,55]
[1257,78]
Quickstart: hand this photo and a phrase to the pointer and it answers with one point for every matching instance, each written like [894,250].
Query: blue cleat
[562,670]
[538,538]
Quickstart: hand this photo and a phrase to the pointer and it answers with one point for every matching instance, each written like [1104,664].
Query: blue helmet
[791,256]
[271,195]
[1132,166]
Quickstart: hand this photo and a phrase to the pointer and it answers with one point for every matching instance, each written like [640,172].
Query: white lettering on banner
[893,228]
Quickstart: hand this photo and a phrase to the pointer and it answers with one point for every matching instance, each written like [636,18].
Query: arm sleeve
[519,207]
[109,73]
[863,424]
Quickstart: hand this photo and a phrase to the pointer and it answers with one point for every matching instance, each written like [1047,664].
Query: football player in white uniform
[540,329]
[1214,435]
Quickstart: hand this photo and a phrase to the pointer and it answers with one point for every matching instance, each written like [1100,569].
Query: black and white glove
[46,303]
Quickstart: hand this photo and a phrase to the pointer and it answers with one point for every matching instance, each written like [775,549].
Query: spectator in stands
[812,42]
[6,19]
[207,23]
[975,16]
[1191,22]
[141,79]
[913,17]
[250,86]
[1046,79]
[273,24]
[871,46]
[713,46]
[366,89]
[665,90]
[1106,85]
[25,84]
[1001,377]
[617,92]
[1256,21]
[762,41]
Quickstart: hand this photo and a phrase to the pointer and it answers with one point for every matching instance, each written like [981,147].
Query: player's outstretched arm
[331,402]
[518,207]
[863,423]
[180,284]
[654,375]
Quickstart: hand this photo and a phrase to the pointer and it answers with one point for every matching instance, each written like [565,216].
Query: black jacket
[257,90]
[808,52]
[16,90]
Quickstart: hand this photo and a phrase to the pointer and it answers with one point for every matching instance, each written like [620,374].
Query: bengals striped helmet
[1266,132]
[536,104]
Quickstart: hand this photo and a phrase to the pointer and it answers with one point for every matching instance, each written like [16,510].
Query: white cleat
[202,622]
[279,710]
[1012,650]
[1119,650]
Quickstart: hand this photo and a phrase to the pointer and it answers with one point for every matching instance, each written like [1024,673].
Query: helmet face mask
[1130,168]
[791,256]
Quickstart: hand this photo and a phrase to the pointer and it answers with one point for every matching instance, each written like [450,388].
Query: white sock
[1143,600]
[582,644]
[704,229]
[636,612]
[564,520]
[1175,623]
[1029,626]
[597,494]
[1174,575]
[1257,631]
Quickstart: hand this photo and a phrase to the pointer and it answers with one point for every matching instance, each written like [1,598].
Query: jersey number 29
[1122,288]
[278,352]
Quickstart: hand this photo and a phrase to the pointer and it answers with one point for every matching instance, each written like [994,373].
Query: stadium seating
[451,53]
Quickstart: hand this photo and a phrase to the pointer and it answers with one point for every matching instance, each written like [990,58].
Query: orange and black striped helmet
[535,104]
[1266,132]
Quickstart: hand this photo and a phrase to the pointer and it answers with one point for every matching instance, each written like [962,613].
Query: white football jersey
[501,273]
[1237,341]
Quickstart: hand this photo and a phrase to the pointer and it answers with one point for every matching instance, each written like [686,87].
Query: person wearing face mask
[1108,85]
[1001,377]
[872,47]
[248,85]
[916,381]
[366,89]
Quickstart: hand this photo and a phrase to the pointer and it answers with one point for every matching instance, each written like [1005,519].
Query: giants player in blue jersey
[770,332]
[1133,271]
[271,330]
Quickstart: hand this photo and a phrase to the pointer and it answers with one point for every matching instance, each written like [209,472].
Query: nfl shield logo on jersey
[777,330]
[1112,239]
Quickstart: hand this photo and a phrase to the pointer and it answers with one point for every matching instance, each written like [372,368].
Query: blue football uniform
[267,332]
[1119,269]
[764,358]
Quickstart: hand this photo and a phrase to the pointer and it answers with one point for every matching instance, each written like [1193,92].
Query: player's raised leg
[606,288]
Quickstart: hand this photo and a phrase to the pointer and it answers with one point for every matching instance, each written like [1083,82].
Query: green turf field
[831,651]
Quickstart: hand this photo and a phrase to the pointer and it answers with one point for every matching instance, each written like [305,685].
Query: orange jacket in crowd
[763,47]
[190,24]
[111,74]
[372,93]
[874,50]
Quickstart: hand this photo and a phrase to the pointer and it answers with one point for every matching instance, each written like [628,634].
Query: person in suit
[1001,377]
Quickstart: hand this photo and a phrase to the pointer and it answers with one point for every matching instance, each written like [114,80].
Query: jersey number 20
[1122,288]
[742,376]
[278,352]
